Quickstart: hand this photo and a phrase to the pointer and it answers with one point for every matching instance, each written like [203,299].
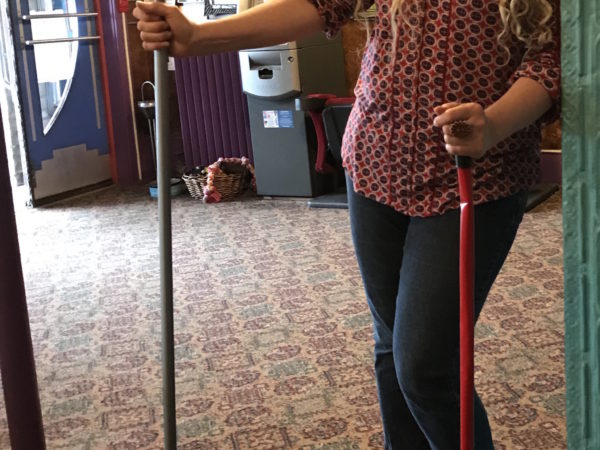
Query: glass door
[54,62]
[66,145]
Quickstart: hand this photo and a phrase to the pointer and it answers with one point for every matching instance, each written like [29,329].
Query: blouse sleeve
[336,13]
[543,66]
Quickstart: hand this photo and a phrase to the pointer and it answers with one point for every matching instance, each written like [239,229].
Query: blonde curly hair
[529,21]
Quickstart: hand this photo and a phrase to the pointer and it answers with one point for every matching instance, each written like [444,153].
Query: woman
[491,66]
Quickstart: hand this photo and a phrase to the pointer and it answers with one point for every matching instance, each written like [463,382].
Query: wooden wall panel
[354,38]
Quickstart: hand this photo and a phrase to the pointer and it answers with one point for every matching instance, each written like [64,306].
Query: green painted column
[581,223]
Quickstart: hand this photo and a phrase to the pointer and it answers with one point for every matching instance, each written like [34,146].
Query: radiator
[213,109]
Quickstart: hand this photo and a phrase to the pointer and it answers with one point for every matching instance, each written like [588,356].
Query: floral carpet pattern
[273,336]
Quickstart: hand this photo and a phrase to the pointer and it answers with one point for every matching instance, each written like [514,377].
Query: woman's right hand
[164,26]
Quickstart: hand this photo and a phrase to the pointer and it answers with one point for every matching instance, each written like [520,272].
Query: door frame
[15,117]
[581,222]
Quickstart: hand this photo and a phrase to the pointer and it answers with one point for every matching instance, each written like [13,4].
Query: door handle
[56,16]
[59,40]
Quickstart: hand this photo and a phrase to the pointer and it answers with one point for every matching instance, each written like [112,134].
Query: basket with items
[223,180]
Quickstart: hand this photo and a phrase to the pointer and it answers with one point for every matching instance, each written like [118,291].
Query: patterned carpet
[273,338]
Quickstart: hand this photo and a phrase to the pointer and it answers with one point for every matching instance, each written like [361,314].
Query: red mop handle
[467,311]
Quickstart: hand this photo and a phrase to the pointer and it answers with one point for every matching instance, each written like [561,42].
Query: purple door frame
[19,379]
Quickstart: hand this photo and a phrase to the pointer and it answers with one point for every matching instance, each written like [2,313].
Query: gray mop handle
[166,251]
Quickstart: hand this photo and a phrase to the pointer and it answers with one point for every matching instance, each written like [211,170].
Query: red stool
[329,115]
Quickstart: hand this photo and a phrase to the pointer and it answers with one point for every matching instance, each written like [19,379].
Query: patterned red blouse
[391,149]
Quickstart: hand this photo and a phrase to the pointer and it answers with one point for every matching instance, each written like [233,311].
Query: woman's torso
[452,54]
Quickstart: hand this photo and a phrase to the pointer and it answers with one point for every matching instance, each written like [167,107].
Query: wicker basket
[195,181]
[230,179]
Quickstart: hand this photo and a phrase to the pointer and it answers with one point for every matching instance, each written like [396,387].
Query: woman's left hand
[481,137]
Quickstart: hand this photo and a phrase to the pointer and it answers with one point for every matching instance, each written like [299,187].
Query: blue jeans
[409,267]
